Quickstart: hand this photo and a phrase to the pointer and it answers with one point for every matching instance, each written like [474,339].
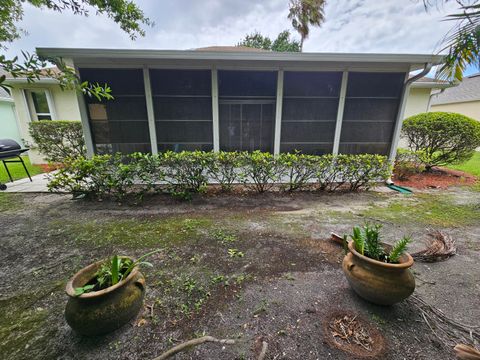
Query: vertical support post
[278,113]
[215,119]
[341,107]
[51,104]
[152,130]
[87,132]
[399,120]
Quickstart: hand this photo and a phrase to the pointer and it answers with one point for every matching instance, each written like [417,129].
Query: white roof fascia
[78,53]
[433,85]
[14,81]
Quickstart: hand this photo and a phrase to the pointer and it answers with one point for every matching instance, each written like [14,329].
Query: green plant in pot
[105,295]
[378,272]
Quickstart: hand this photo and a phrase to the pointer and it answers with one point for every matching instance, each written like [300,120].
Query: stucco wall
[65,104]
[8,122]
[417,102]
[470,109]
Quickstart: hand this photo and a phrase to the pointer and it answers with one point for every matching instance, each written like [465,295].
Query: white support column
[51,104]
[150,112]
[278,113]
[399,120]
[87,132]
[215,119]
[341,107]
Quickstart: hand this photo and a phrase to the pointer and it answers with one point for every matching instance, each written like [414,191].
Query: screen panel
[371,108]
[120,124]
[183,109]
[247,102]
[309,111]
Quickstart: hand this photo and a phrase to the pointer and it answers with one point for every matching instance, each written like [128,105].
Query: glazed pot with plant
[105,295]
[378,272]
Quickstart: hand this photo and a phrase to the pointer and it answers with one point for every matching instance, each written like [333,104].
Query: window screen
[309,111]
[247,110]
[371,107]
[121,124]
[182,101]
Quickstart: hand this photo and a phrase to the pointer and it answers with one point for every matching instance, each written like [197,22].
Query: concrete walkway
[37,185]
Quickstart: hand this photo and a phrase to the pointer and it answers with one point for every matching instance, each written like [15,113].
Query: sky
[385,26]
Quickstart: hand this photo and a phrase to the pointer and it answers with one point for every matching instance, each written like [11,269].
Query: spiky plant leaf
[399,249]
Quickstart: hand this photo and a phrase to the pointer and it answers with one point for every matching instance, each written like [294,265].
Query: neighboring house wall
[62,106]
[470,108]
[8,121]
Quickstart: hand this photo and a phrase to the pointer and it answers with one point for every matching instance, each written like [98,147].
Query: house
[225,98]
[421,93]
[463,99]
[8,118]
[41,100]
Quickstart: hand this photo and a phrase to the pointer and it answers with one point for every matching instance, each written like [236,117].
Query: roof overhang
[342,61]
[433,85]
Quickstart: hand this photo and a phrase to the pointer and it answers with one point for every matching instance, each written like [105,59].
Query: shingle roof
[230,48]
[467,90]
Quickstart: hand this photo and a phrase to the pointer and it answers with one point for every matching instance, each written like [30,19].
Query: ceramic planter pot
[100,312]
[378,282]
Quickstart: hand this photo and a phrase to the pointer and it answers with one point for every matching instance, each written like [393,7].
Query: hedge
[185,173]
[58,140]
[441,138]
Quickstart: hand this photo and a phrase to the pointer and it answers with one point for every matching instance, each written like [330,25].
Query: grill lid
[9,145]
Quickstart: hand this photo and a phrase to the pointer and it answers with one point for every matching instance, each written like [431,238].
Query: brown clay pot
[378,282]
[100,312]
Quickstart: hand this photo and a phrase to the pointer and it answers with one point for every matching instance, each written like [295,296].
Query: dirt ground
[251,268]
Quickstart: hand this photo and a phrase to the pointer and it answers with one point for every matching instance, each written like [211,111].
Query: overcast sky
[390,26]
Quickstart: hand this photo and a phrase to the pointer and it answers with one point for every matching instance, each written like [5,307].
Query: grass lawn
[471,166]
[17,171]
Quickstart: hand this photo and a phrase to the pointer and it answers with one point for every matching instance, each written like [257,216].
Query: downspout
[398,127]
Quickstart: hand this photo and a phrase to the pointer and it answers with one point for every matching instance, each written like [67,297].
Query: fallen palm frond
[466,352]
[350,330]
[440,246]
[190,343]
[449,331]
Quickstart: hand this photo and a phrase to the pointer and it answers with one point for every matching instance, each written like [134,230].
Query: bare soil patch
[281,291]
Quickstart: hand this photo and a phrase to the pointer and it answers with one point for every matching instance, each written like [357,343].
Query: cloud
[351,26]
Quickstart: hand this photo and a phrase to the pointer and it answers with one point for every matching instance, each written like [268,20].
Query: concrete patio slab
[37,185]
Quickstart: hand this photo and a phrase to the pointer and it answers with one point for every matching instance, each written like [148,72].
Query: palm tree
[462,42]
[304,13]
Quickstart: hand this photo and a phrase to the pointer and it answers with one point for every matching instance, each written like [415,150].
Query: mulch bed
[438,178]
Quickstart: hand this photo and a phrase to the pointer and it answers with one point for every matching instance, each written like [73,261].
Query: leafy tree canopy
[282,43]
[125,13]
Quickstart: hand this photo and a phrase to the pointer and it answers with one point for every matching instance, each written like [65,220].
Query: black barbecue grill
[10,152]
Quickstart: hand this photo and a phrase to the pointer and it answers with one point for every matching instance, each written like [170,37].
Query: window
[39,105]
[182,101]
[121,124]
[371,107]
[309,111]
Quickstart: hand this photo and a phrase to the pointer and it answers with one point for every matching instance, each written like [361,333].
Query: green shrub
[260,171]
[407,163]
[58,140]
[299,169]
[361,171]
[185,173]
[224,168]
[441,138]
